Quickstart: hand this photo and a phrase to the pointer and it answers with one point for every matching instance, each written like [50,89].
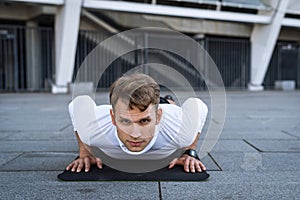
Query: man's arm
[189,163]
[85,160]
[194,144]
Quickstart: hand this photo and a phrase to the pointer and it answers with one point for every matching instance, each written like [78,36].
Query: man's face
[135,128]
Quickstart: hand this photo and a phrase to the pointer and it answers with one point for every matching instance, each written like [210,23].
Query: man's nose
[136,131]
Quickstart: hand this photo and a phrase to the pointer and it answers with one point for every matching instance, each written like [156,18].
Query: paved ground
[256,157]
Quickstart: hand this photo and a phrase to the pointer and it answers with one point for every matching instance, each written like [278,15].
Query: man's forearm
[83,149]
[194,144]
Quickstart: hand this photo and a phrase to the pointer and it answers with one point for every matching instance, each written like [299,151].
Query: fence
[284,65]
[232,57]
[26,58]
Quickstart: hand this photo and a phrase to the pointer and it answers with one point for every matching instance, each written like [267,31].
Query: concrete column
[67,21]
[33,57]
[263,40]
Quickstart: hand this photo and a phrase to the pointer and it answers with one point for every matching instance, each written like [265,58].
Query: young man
[136,125]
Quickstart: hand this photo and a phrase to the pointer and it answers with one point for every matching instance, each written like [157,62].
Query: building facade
[254,43]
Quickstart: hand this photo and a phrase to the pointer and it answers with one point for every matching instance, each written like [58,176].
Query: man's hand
[190,164]
[84,162]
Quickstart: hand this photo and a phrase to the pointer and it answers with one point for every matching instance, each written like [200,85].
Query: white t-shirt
[177,129]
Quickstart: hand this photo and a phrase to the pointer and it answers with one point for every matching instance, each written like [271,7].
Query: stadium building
[254,43]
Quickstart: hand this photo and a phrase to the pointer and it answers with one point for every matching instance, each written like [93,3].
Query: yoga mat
[108,174]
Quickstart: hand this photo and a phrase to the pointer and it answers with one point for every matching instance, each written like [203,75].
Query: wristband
[192,153]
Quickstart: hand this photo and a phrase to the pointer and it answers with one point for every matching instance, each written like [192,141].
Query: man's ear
[113,120]
[158,115]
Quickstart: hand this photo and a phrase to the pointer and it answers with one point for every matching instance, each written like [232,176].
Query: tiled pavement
[256,157]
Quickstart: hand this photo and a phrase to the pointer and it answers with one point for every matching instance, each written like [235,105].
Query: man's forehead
[123,109]
[134,116]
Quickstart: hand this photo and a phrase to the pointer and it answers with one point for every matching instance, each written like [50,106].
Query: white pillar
[263,40]
[67,21]
[33,57]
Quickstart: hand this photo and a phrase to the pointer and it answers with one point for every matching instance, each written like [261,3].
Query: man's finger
[99,163]
[202,166]
[75,163]
[192,165]
[69,166]
[173,163]
[187,165]
[80,165]
[198,167]
[87,164]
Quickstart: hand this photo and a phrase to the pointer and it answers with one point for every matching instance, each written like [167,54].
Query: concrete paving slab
[43,185]
[257,162]
[276,145]
[40,161]
[6,134]
[33,112]
[231,146]
[238,124]
[294,131]
[210,164]
[29,146]
[51,161]
[280,123]
[6,157]
[40,135]
[36,123]
[236,185]
[242,134]
[267,125]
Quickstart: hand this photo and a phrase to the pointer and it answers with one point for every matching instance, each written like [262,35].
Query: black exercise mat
[109,174]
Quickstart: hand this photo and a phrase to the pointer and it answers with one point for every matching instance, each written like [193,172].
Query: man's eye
[145,121]
[125,121]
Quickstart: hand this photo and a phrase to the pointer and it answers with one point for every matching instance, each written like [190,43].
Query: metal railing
[284,65]
[88,40]
[26,58]
[232,57]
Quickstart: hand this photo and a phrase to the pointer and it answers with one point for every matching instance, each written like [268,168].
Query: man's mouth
[135,144]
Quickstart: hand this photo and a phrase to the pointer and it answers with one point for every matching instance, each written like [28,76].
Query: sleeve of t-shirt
[203,110]
[194,113]
[83,117]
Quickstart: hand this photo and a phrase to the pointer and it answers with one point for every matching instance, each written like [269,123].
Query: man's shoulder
[169,107]
[171,114]
[104,106]
[103,111]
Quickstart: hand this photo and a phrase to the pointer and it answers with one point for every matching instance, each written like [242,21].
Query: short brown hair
[138,90]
